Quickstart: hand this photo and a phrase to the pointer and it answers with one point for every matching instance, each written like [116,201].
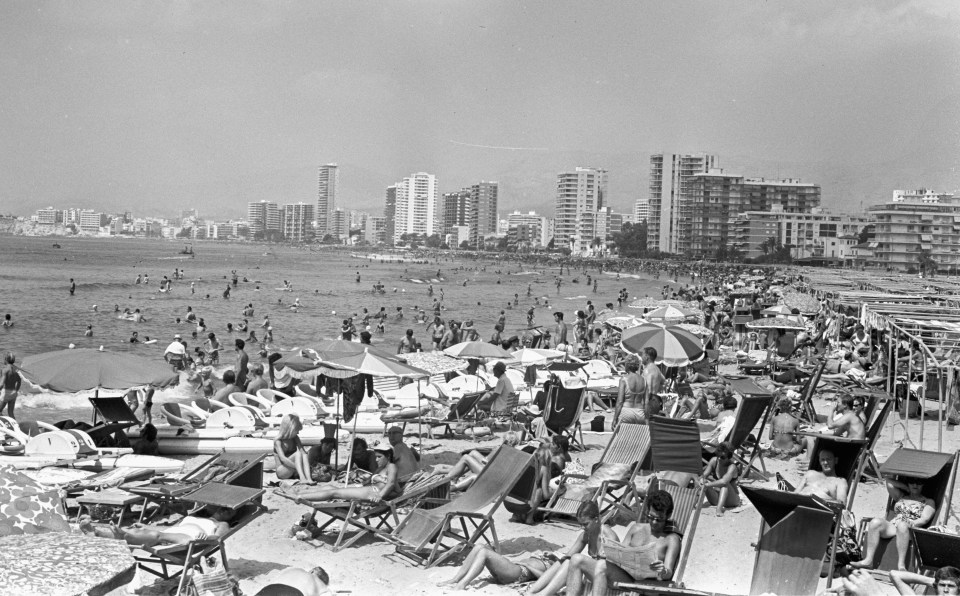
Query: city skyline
[165,106]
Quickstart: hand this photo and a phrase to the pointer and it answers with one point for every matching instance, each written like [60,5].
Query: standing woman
[11,384]
[289,452]
[631,405]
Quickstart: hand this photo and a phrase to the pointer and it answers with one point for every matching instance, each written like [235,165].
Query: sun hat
[383,446]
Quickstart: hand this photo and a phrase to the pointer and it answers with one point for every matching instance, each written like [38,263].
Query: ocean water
[35,280]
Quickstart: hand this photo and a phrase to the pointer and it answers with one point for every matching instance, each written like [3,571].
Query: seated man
[824,484]
[659,535]
[843,422]
[294,580]
[188,529]
[407,460]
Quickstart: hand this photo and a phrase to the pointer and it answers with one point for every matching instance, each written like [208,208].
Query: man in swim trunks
[843,422]
[10,381]
[826,484]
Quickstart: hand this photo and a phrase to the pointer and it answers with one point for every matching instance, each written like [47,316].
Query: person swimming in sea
[7,320]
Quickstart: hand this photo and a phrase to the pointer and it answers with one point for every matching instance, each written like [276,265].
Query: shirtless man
[10,382]
[844,422]
[659,533]
[407,343]
[631,395]
[308,583]
[560,330]
[651,373]
[826,484]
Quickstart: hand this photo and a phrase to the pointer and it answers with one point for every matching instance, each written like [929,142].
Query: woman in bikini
[292,460]
[548,569]
[720,479]
[383,482]
[631,406]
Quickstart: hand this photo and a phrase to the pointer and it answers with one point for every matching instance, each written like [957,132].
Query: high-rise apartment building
[340,224]
[390,214]
[298,221]
[483,211]
[579,195]
[641,210]
[263,216]
[717,197]
[415,209]
[456,210]
[328,183]
[669,203]
[374,229]
[915,226]
[807,234]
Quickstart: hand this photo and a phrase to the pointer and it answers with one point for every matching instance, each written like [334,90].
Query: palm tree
[928,266]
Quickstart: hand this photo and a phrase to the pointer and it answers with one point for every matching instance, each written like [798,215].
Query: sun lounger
[379,519]
[938,471]
[629,448]
[793,531]
[428,536]
[232,469]
[159,560]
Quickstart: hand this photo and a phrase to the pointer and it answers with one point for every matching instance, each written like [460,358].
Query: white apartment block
[415,208]
[328,186]
[579,195]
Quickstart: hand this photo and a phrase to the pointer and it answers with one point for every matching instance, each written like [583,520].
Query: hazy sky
[159,105]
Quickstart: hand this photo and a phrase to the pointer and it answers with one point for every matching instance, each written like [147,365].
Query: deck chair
[628,451]
[935,550]
[675,446]
[379,519]
[938,470]
[561,414]
[110,415]
[158,560]
[753,409]
[463,414]
[793,530]
[808,411]
[687,504]
[427,536]
[234,469]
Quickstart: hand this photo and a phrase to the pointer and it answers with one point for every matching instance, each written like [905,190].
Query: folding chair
[793,530]
[808,411]
[938,470]
[159,559]
[233,469]
[110,415]
[753,409]
[630,446]
[675,446]
[378,518]
[561,415]
[687,504]
[935,550]
[463,414]
[422,534]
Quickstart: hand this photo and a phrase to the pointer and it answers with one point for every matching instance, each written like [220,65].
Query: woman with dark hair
[281,378]
[912,510]
[720,479]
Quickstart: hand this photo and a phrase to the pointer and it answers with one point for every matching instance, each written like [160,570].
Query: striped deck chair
[368,517]
[561,414]
[630,448]
[687,504]
[428,536]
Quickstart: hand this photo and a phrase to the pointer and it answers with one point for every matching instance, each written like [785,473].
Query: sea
[331,284]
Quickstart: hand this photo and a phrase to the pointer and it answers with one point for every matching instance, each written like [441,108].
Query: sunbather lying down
[188,529]
[383,483]
[299,582]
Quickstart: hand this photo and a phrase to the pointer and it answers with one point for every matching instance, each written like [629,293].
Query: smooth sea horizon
[35,280]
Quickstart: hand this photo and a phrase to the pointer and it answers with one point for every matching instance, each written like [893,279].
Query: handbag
[212,579]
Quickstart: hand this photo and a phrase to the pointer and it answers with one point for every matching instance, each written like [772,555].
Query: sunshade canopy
[83,369]
[915,463]
[476,349]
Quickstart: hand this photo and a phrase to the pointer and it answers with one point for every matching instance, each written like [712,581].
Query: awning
[873,245]
[926,238]
[925,246]
[915,463]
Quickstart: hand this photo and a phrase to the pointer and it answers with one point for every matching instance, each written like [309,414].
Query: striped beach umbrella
[674,346]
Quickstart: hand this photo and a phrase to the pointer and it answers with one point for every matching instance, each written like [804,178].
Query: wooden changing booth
[794,534]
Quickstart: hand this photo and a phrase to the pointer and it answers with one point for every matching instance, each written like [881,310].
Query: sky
[158,106]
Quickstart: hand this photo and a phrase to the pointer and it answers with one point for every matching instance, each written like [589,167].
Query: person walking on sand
[10,381]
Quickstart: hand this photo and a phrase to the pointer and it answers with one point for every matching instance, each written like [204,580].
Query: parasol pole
[419,419]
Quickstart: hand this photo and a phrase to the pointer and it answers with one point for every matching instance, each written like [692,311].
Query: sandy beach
[721,559]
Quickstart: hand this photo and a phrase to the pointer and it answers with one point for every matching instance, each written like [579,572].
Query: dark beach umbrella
[83,369]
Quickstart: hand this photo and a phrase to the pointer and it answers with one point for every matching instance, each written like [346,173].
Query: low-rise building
[813,235]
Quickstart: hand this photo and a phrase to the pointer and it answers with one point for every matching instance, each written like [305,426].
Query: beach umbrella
[434,363]
[624,322]
[476,349]
[698,330]
[82,369]
[674,346]
[776,323]
[532,356]
[369,362]
[666,314]
[303,364]
[780,309]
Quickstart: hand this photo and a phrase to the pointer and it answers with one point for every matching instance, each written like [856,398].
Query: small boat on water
[56,245]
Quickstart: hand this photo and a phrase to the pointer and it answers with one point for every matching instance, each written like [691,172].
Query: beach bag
[596,425]
[212,580]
